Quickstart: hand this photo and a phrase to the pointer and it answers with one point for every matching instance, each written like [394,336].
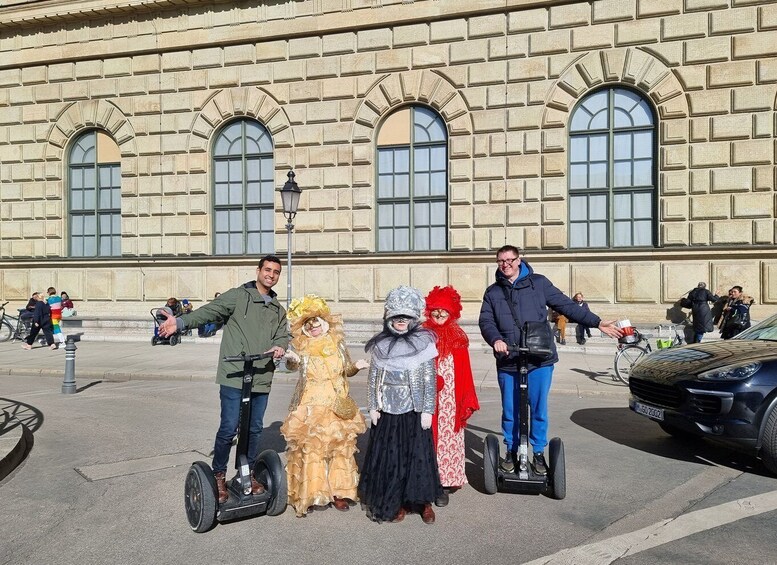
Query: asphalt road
[104,484]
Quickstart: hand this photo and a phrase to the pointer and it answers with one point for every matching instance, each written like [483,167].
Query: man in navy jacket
[530,294]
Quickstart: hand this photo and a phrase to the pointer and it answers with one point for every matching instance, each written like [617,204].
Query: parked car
[725,391]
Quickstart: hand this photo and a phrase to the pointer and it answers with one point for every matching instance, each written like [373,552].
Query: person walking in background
[456,397]
[323,421]
[55,304]
[736,317]
[521,295]
[41,321]
[560,323]
[581,330]
[700,298]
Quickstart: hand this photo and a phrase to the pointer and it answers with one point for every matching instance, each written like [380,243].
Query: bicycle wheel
[625,360]
[6,331]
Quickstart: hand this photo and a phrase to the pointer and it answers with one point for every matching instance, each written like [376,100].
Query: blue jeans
[697,337]
[539,388]
[230,419]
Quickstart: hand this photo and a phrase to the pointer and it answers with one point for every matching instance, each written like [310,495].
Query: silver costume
[399,392]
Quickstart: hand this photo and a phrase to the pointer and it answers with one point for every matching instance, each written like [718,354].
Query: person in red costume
[456,397]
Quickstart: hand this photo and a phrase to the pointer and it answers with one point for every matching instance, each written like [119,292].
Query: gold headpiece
[305,308]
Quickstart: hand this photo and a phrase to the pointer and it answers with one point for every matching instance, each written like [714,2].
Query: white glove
[374,416]
[361,364]
[292,356]
[426,421]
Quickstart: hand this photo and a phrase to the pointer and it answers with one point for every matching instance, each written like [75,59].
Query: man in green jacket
[254,322]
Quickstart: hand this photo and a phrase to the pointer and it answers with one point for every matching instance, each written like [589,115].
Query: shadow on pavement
[622,426]
[19,413]
[88,385]
[601,377]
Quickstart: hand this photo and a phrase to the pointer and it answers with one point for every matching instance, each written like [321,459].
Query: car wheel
[676,432]
[769,443]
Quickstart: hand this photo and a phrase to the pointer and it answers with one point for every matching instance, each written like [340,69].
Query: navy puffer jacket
[531,294]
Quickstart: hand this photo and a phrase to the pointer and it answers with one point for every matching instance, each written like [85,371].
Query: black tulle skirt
[400,467]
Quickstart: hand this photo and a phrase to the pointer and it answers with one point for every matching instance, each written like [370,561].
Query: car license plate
[649,411]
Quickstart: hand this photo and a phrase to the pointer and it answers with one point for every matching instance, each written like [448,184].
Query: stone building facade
[688,197]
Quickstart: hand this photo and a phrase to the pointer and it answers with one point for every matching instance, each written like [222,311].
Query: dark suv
[722,390]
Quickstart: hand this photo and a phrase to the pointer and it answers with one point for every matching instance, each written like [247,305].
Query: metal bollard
[69,384]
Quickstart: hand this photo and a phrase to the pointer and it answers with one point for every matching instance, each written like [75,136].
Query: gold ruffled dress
[320,445]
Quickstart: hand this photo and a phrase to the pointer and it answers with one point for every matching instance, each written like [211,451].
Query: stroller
[174,339]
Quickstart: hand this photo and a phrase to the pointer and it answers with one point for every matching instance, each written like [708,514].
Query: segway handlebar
[525,350]
[244,357]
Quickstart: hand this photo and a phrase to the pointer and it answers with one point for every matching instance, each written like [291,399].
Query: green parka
[250,325]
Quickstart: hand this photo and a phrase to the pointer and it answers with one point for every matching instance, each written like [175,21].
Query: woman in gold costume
[323,419]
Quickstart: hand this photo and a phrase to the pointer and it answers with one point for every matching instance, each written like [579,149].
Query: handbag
[536,337]
[345,407]
[686,302]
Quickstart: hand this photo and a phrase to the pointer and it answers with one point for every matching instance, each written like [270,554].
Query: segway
[200,492]
[523,479]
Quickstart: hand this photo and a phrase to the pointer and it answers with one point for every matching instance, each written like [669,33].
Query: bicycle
[11,327]
[629,353]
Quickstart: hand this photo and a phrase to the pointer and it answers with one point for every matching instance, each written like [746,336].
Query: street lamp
[290,194]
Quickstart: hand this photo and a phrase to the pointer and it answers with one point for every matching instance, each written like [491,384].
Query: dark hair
[738,288]
[510,248]
[52,290]
[268,259]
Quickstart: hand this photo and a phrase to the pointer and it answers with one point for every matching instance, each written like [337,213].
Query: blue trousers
[539,388]
[697,337]
[230,419]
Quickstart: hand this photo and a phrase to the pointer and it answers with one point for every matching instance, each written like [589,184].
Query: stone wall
[504,76]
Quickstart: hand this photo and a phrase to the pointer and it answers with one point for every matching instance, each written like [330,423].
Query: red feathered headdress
[446,298]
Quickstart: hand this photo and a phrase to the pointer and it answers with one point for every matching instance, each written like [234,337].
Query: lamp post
[290,194]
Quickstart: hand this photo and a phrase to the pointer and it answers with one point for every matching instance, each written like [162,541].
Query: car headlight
[731,373]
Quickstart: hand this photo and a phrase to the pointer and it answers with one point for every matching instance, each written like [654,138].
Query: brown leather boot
[341,504]
[221,486]
[428,514]
[256,486]
[400,515]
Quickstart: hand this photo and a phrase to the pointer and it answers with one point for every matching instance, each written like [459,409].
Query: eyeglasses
[506,261]
[442,314]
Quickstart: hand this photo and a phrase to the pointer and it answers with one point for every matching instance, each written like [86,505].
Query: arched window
[94,178]
[612,178]
[412,181]
[243,195]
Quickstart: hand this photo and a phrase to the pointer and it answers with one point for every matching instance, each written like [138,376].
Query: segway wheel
[153,340]
[558,476]
[175,339]
[269,471]
[200,497]
[490,463]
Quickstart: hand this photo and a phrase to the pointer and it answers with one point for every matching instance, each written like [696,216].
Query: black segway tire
[153,340]
[200,497]
[557,471]
[175,339]
[490,464]
[269,471]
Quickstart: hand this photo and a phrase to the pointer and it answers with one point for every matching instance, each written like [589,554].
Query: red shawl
[451,340]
